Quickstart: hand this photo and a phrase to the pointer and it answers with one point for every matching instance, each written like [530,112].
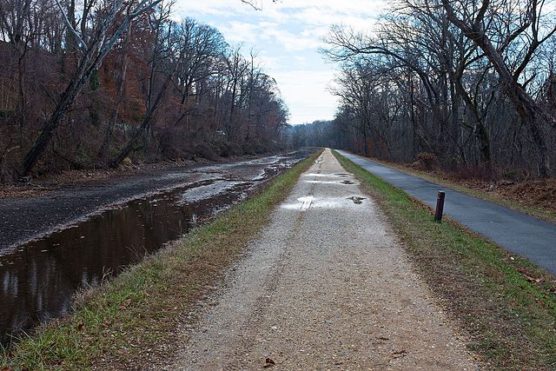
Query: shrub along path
[516,232]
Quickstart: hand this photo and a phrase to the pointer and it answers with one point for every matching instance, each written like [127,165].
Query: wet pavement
[517,232]
[126,222]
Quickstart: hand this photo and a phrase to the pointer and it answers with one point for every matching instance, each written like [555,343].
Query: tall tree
[519,25]
[105,27]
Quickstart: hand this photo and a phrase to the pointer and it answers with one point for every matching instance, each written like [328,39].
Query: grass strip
[132,320]
[505,303]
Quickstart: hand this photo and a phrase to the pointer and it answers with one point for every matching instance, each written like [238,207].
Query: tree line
[470,83]
[94,83]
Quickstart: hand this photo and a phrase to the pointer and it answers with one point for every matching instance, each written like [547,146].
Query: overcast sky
[286,37]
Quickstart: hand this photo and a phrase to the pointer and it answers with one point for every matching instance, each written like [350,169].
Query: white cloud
[289,40]
[237,31]
[307,92]
[287,36]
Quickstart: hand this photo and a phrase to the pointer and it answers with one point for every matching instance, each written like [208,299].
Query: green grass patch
[506,304]
[132,320]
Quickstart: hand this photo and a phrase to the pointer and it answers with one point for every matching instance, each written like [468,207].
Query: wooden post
[439,206]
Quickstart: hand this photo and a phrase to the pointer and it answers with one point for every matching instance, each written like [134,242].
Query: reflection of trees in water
[45,274]
[31,286]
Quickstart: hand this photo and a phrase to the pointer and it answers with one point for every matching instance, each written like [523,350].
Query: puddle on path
[320,175]
[38,280]
[331,182]
[305,202]
[312,202]
[356,199]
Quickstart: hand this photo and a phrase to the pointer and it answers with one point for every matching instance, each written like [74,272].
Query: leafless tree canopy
[470,83]
[88,83]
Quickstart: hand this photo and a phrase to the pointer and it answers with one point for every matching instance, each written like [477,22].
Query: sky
[286,37]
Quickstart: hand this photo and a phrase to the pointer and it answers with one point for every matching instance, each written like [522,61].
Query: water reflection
[39,279]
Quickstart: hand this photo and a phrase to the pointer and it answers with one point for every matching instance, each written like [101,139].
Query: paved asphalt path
[516,232]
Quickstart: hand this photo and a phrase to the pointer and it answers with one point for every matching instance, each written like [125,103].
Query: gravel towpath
[327,285]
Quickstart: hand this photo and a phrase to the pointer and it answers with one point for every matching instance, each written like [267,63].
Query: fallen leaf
[269,362]
[528,277]
[125,304]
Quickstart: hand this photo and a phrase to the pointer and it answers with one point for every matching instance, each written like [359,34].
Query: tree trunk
[21,104]
[479,129]
[120,98]
[63,105]
[130,146]
[525,106]
[143,130]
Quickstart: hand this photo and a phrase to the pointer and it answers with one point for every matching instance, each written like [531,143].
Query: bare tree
[107,24]
[120,94]
[450,94]
[525,31]
[19,24]
[237,67]
[162,71]
[85,78]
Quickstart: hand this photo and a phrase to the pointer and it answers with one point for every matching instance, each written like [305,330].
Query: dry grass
[132,320]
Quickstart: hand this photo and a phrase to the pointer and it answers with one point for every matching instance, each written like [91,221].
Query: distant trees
[89,83]
[315,134]
[462,80]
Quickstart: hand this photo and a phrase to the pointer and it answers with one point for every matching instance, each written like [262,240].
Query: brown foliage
[142,99]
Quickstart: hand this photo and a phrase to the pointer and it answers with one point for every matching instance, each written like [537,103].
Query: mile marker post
[439,206]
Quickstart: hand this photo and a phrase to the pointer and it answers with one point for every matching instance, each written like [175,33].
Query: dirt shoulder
[326,285]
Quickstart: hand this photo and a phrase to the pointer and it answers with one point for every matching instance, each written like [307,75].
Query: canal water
[39,279]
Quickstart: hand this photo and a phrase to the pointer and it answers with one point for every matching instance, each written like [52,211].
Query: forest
[468,84]
[94,84]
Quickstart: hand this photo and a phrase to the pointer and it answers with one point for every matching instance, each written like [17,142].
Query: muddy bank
[112,226]
[22,219]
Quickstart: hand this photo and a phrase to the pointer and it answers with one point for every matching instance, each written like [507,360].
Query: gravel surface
[327,285]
